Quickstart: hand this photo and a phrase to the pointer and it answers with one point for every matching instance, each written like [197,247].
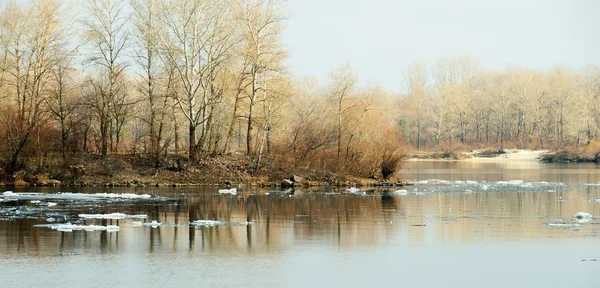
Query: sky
[380,38]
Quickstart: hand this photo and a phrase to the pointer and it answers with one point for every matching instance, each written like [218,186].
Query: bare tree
[33,41]
[106,34]
[343,82]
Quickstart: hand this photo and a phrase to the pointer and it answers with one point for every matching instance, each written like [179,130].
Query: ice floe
[212,223]
[583,217]
[153,224]
[564,224]
[68,227]
[71,196]
[116,216]
[400,192]
[232,191]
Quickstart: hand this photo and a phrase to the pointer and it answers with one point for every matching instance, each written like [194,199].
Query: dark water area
[462,224]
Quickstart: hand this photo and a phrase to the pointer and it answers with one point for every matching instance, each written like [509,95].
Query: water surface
[463,224]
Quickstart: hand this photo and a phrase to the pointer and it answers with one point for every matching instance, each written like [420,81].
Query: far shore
[509,155]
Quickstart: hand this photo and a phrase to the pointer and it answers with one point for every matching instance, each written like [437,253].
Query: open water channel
[462,224]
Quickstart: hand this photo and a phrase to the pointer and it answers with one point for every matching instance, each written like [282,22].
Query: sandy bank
[510,155]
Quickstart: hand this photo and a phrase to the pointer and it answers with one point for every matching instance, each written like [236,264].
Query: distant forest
[457,101]
[200,78]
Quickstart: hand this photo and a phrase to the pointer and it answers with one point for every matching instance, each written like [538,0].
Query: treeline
[456,103]
[195,78]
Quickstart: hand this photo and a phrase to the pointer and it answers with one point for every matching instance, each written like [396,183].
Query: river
[462,224]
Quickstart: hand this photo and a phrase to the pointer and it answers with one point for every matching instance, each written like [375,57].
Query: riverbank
[126,170]
[481,155]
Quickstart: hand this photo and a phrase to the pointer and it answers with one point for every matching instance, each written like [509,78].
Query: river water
[463,224]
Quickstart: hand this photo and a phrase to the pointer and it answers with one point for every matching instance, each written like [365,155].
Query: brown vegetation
[587,153]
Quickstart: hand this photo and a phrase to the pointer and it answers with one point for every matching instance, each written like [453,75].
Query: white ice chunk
[583,217]
[208,223]
[112,228]
[353,190]
[136,224]
[68,227]
[71,196]
[212,223]
[153,224]
[51,204]
[400,192]
[564,224]
[103,216]
[232,191]
[34,201]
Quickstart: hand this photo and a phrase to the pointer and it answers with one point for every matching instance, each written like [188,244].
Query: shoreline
[509,156]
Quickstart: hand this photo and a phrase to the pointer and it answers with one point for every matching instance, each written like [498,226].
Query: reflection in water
[278,220]
[465,208]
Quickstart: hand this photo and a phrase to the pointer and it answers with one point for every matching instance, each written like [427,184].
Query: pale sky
[379,38]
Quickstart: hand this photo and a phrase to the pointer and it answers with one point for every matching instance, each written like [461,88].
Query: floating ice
[583,217]
[208,223]
[71,196]
[153,224]
[212,223]
[115,216]
[51,204]
[34,201]
[68,227]
[232,191]
[353,190]
[511,182]
[564,225]
[103,216]
[136,224]
[400,192]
